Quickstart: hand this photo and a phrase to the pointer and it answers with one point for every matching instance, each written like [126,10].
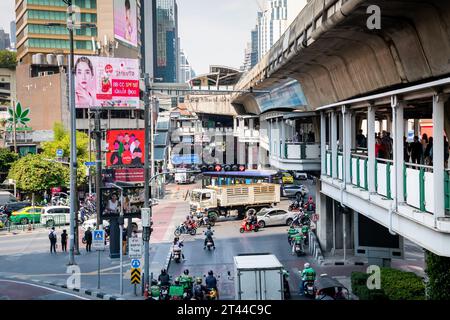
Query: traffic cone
[146,291]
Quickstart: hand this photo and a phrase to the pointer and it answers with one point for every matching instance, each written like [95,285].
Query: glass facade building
[166,57]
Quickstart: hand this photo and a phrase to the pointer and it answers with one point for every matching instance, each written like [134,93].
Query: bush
[395,285]
[438,271]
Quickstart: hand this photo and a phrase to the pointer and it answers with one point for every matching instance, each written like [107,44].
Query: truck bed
[248,194]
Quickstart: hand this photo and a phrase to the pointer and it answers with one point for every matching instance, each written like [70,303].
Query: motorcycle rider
[296,239]
[199,289]
[164,278]
[211,282]
[291,232]
[208,237]
[308,274]
[186,281]
[176,290]
[310,205]
[177,245]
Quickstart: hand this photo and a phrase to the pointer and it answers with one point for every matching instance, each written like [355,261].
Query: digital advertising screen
[125,21]
[125,148]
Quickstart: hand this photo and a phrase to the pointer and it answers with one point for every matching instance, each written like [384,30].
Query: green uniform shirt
[176,291]
[308,274]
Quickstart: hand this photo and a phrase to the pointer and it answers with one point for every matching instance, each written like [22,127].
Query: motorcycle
[205,221]
[248,227]
[295,206]
[164,293]
[176,253]
[181,229]
[211,294]
[309,289]
[298,248]
[209,245]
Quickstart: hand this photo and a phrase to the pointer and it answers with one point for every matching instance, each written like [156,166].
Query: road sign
[135,248]
[90,164]
[135,263]
[98,241]
[135,275]
[59,153]
[145,217]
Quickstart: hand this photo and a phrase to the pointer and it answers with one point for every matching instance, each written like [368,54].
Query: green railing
[414,184]
[359,174]
[447,189]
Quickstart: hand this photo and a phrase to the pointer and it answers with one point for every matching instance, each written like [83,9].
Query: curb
[88,292]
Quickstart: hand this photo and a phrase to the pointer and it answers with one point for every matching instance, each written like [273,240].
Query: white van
[55,216]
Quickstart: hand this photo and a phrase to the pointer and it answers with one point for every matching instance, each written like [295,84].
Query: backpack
[52,236]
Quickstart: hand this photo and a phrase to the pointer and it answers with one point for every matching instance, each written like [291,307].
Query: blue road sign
[135,263]
[59,153]
[90,164]
[99,235]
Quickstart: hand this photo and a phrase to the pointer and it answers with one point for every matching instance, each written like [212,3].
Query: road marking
[42,287]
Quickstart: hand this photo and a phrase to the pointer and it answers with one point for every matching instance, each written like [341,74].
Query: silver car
[292,190]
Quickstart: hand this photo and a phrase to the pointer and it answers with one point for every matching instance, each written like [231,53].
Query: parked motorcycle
[181,229]
[248,227]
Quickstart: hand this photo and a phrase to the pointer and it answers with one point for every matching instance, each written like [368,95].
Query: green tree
[33,173]
[62,141]
[438,272]
[7,158]
[8,59]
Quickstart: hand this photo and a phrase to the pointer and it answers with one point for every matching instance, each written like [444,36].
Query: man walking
[88,238]
[64,241]
[52,237]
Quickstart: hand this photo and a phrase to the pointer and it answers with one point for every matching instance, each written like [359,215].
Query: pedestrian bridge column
[371,148]
[334,146]
[438,155]
[347,144]
[323,141]
[398,130]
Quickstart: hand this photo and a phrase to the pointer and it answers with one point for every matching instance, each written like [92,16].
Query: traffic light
[235,167]
[227,168]
[217,168]
[203,168]
[241,168]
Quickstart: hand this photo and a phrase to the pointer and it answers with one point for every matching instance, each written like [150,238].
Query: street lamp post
[120,237]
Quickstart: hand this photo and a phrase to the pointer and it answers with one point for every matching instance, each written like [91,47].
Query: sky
[7,14]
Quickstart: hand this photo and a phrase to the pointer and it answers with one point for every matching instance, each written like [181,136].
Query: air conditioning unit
[51,59]
[60,59]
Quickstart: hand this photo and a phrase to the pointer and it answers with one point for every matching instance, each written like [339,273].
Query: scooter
[164,293]
[205,221]
[176,253]
[248,227]
[181,229]
[209,245]
[298,249]
[310,290]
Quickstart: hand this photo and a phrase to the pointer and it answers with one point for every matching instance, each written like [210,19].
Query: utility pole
[98,165]
[152,146]
[73,148]
[14,126]
[147,188]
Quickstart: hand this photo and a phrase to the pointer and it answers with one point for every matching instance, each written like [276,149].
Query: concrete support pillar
[250,156]
[353,130]
[438,156]
[269,135]
[347,143]
[416,127]
[339,118]
[389,123]
[371,149]
[283,137]
[405,128]
[397,136]
[235,123]
[316,129]
[333,142]
[323,141]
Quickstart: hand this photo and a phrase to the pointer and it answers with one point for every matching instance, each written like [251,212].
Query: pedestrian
[379,149]
[416,150]
[424,142]
[406,150]
[428,155]
[361,140]
[53,238]
[124,241]
[88,238]
[64,241]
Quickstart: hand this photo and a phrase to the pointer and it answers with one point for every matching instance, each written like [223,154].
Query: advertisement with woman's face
[125,21]
[85,88]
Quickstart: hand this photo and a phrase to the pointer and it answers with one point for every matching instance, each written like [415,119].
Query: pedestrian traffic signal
[227,168]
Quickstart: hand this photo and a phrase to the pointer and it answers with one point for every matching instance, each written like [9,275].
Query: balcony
[297,156]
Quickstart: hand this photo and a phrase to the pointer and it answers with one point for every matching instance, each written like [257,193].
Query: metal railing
[302,151]
[415,179]
[383,189]
[358,174]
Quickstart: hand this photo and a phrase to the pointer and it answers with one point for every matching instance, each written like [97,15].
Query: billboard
[289,95]
[112,198]
[106,82]
[125,148]
[131,175]
[125,21]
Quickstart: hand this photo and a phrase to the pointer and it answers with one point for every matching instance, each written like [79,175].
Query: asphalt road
[19,290]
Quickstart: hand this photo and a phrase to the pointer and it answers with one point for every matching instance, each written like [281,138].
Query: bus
[240,177]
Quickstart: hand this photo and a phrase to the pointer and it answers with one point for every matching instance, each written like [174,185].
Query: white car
[274,216]
[55,216]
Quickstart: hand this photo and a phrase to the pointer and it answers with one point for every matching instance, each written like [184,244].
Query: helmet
[210,272]
[177,280]
[310,199]
[306,265]
[186,272]
[176,239]
[209,227]
[163,271]
[198,280]
[188,217]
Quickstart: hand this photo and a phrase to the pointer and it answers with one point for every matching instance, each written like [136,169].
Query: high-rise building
[167,44]
[12,31]
[254,47]
[186,71]
[148,27]
[271,24]
[247,58]
[4,40]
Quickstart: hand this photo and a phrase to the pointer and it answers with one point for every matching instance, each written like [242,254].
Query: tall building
[4,40]
[12,31]
[271,24]
[148,27]
[247,58]
[186,71]
[254,47]
[167,44]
